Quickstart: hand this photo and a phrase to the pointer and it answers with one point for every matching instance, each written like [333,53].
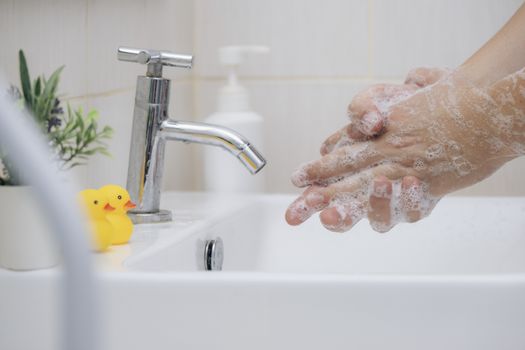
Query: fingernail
[342,217]
[299,211]
[314,199]
[342,226]
[381,189]
[296,211]
[331,219]
[299,177]
[409,182]
[324,149]
[370,122]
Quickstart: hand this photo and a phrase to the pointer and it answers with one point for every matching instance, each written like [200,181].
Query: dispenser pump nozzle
[233,97]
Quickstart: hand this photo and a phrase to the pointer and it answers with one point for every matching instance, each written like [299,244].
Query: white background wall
[323,52]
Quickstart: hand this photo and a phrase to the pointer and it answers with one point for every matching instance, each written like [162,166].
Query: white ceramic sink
[463,236]
[455,280]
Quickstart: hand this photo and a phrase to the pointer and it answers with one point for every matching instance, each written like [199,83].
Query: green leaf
[105,152]
[92,115]
[52,83]
[25,80]
[37,88]
[50,87]
[78,139]
[107,132]
[91,152]
[39,108]
[75,164]
[68,128]
[81,124]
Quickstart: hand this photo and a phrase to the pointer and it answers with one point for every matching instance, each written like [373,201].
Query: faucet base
[150,218]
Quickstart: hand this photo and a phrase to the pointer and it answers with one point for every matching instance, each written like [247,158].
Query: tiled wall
[323,52]
[84,36]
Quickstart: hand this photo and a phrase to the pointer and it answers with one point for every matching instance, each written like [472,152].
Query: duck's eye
[95,202]
[119,197]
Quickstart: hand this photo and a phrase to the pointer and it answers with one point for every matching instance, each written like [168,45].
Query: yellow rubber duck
[120,200]
[97,206]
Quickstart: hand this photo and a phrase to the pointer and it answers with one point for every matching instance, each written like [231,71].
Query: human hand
[368,110]
[368,117]
[367,114]
[445,137]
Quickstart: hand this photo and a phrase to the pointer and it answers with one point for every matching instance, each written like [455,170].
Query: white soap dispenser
[223,173]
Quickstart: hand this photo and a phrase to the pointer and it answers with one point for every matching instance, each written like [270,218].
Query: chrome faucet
[152,128]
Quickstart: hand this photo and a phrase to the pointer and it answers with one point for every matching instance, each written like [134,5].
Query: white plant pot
[26,242]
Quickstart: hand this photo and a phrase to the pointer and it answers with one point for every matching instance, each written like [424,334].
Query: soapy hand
[368,117]
[444,137]
[369,108]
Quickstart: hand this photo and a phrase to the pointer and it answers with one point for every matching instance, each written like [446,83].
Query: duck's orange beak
[108,207]
[129,205]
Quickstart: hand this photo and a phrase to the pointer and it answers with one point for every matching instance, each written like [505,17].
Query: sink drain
[213,254]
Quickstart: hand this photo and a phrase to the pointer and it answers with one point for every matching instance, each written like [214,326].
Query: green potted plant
[73,137]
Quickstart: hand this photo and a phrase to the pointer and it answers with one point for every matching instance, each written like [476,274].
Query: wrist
[508,121]
[479,74]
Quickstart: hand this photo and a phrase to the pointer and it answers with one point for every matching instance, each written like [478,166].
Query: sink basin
[463,236]
[455,280]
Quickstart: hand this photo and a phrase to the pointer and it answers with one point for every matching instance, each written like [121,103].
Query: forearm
[509,122]
[502,55]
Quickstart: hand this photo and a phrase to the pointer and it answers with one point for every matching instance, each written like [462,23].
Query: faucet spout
[152,129]
[214,135]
